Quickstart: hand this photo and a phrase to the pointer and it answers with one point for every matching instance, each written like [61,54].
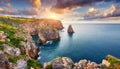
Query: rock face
[70,29]
[47,34]
[11,51]
[67,63]
[34,27]
[21,64]
[30,48]
[46,29]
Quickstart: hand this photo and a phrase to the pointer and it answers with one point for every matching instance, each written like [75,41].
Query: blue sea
[90,41]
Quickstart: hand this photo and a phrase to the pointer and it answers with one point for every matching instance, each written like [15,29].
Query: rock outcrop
[47,34]
[70,29]
[67,63]
[34,27]
[46,29]
[11,51]
[29,46]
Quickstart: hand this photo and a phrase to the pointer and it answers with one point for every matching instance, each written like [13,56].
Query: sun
[51,15]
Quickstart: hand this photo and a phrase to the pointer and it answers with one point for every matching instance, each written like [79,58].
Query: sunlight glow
[51,15]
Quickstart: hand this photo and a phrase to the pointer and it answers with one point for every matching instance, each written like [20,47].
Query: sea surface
[90,41]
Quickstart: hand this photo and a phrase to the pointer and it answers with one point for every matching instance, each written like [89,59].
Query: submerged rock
[70,29]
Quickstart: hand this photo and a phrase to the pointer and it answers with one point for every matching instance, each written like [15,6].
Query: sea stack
[70,29]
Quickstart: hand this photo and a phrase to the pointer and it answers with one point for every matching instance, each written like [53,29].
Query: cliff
[16,48]
[46,29]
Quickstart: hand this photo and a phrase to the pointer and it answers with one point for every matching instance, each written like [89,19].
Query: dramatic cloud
[7,12]
[114,11]
[1,9]
[3,1]
[92,13]
[36,3]
[9,5]
[70,4]
[26,11]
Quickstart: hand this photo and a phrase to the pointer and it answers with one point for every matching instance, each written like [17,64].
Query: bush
[10,32]
[49,66]
[14,59]
[33,63]
[115,62]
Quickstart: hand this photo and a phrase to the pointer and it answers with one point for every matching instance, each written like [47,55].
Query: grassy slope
[7,25]
[115,62]
[10,32]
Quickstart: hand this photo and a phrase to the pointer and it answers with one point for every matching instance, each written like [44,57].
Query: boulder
[70,29]
[21,64]
[4,64]
[2,36]
[67,63]
[106,63]
[9,50]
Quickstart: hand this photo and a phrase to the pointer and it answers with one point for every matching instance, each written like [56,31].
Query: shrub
[33,63]
[49,66]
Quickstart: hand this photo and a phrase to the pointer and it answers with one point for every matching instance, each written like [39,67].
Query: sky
[68,11]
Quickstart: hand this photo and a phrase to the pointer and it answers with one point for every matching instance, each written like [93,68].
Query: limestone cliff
[16,48]
[46,29]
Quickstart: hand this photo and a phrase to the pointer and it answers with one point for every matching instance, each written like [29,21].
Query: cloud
[9,5]
[70,4]
[3,1]
[7,12]
[92,13]
[1,9]
[25,11]
[36,3]
[112,11]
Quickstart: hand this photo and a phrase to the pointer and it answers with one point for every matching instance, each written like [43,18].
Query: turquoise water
[90,41]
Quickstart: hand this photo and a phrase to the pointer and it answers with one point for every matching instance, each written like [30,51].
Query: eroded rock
[70,29]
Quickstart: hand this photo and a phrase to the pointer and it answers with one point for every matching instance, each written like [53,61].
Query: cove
[90,41]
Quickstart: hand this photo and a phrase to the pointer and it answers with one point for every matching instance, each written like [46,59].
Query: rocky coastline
[46,29]
[18,50]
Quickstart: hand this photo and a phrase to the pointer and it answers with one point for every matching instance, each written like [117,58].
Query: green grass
[33,63]
[115,62]
[10,34]
[13,59]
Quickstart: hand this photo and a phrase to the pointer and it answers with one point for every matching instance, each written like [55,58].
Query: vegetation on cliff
[114,62]
[10,34]
[12,45]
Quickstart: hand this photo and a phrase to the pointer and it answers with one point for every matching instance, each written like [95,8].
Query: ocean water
[90,41]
